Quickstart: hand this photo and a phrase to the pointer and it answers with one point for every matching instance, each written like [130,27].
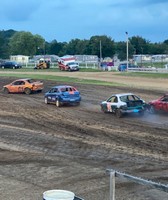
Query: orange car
[25,85]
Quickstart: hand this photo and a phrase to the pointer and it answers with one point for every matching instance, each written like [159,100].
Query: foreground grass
[62,79]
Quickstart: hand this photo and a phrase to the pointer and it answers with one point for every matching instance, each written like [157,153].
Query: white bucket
[58,195]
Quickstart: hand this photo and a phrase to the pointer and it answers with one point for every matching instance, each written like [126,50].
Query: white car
[120,104]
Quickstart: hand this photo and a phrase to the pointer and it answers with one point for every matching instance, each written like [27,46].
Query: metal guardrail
[147,69]
[138,180]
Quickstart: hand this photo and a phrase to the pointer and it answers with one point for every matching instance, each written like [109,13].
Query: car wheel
[14,68]
[57,103]
[118,113]
[27,91]
[6,91]
[3,67]
[152,109]
[45,100]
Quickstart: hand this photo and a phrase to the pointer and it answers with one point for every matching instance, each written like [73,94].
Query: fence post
[112,185]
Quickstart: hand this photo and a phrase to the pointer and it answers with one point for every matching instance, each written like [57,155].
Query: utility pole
[100,51]
[127,47]
[44,48]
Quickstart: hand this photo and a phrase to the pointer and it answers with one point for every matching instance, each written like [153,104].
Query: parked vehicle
[120,104]
[62,94]
[68,63]
[11,65]
[25,85]
[42,64]
[123,67]
[160,104]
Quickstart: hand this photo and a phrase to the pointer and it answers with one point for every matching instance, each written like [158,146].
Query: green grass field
[61,79]
[77,80]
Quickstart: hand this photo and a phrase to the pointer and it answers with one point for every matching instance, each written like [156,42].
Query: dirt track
[44,147]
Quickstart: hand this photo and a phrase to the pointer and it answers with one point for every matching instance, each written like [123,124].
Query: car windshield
[14,63]
[72,63]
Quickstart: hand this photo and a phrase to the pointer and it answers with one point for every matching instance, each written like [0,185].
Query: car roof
[61,86]
[23,79]
[122,94]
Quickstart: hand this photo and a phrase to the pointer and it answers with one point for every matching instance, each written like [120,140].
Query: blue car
[62,94]
[123,67]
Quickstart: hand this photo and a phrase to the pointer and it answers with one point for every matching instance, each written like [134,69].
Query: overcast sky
[64,20]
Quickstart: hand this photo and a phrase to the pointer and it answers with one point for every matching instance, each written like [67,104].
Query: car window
[124,98]
[53,90]
[17,83]
[22,83]
[7,63]
[131,98]
[70,89]
[165,98]
[30,80]
[113,99]
[63,89]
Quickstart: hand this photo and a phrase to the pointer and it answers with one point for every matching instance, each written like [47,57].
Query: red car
[160,104]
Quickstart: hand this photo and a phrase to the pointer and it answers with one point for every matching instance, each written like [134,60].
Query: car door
[163,104]
[6,65]
[17,86]
[52,95]
[112,103]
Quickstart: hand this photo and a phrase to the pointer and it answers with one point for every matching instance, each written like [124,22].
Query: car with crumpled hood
[124,103]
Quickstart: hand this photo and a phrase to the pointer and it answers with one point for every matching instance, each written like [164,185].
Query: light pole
[127,47]
[141,55]
[100,51]
[44,48]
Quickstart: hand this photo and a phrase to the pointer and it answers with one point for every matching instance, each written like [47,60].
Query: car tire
[45,100]
[118,113]
[3,67]
[6,91]
[27,91]
[57,103]
[14,67]
[152,109]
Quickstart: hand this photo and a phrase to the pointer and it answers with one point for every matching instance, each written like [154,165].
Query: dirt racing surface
[43,147]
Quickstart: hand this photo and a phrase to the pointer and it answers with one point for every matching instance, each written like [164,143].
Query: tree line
[25,43]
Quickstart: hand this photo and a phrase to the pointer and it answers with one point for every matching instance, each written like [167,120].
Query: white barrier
[58,195]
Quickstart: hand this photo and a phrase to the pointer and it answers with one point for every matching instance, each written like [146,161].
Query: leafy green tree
[120,50]
[55,47]
[101,44]
[25,43]
[139,44]
[76,46]
[4,43]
